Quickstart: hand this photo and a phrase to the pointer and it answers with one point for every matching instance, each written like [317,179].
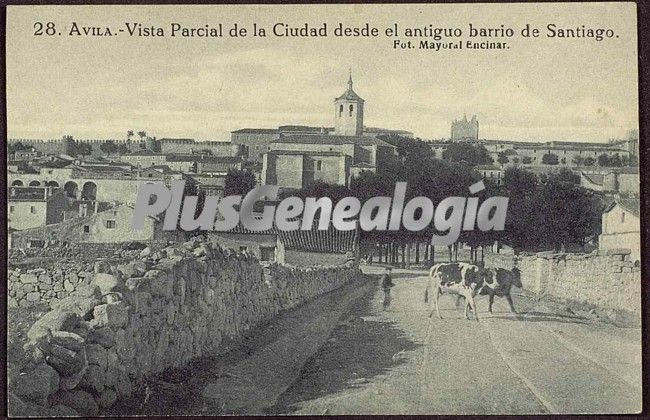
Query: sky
[204,88]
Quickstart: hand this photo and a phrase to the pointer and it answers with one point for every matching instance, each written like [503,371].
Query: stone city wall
[605,280]
[135,320]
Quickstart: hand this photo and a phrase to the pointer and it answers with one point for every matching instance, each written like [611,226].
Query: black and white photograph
[323,209]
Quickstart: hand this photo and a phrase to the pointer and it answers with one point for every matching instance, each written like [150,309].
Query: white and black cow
[462,279]
[498,282]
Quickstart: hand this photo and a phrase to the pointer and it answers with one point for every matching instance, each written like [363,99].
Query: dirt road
[341,354]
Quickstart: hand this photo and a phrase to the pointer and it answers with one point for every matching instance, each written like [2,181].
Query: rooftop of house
[144,152]
[304,152]
[631,205]
[256,131]
[203,158]
[332,139]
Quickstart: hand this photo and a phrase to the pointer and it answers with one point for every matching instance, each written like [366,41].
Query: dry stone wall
[606,280]
[159,311]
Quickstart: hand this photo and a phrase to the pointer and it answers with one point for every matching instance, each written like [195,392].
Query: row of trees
[549,212]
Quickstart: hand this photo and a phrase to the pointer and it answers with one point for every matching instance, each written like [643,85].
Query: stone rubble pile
[132,321]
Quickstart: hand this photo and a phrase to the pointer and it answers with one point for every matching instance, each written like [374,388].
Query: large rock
[114,315]
[19,408]
[107,283]
[81,305]
[96,355]
[57,320]
[38,384]
[64,351]
[94,379]
[78,400]
[103,336]
[107,398]
[28,278]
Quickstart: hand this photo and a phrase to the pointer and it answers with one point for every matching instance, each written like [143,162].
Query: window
[623,217]
[340,111]
[351,108]
[267,253]
[11,209]
[32,210]
[110,224]
[319,165]
[86,228]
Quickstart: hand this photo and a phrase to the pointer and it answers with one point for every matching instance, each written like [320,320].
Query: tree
[550,159]
[578,160]
[549,212]
[108,147]
[14,147]
[503,158]
[466,152]
[610,161]
[129,134]
[526,160]
[589,161]
[142,134]
[565,175]
[239,182]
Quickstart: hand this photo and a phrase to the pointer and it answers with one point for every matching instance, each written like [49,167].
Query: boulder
[28,278]
[78,400]
[103,336]
[114,315]
[107,398]
[96,355]
[38,384]
[81,305]
[61,410]
[19,408]
[107,283]
[57,320]
[93,379]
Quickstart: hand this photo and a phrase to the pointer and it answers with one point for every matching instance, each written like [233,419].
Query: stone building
[108,226]
[491,172]
[29,207]
[623,181]
[621,227]
[464,129]
[348,113]
[144,158]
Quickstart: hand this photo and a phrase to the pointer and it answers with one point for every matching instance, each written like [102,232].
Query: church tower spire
[348,108]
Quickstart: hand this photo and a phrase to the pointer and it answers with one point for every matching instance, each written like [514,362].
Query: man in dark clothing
[386,284]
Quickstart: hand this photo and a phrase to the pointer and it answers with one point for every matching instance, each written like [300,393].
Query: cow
[462,279]
[498,282]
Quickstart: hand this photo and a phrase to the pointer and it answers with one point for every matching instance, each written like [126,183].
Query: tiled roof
[203,158]
[350,95]
[629,204]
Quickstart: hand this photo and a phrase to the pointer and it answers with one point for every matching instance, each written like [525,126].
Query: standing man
[386,284]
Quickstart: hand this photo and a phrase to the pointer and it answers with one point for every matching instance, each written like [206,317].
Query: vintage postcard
[318,209]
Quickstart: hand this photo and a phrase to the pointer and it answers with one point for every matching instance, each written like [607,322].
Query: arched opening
[17,183]
[89,191]
[340,111]
[34,183]
[52,184]
[351,109]
[71,188]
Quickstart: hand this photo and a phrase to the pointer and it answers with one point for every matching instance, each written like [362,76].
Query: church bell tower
[348,117]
